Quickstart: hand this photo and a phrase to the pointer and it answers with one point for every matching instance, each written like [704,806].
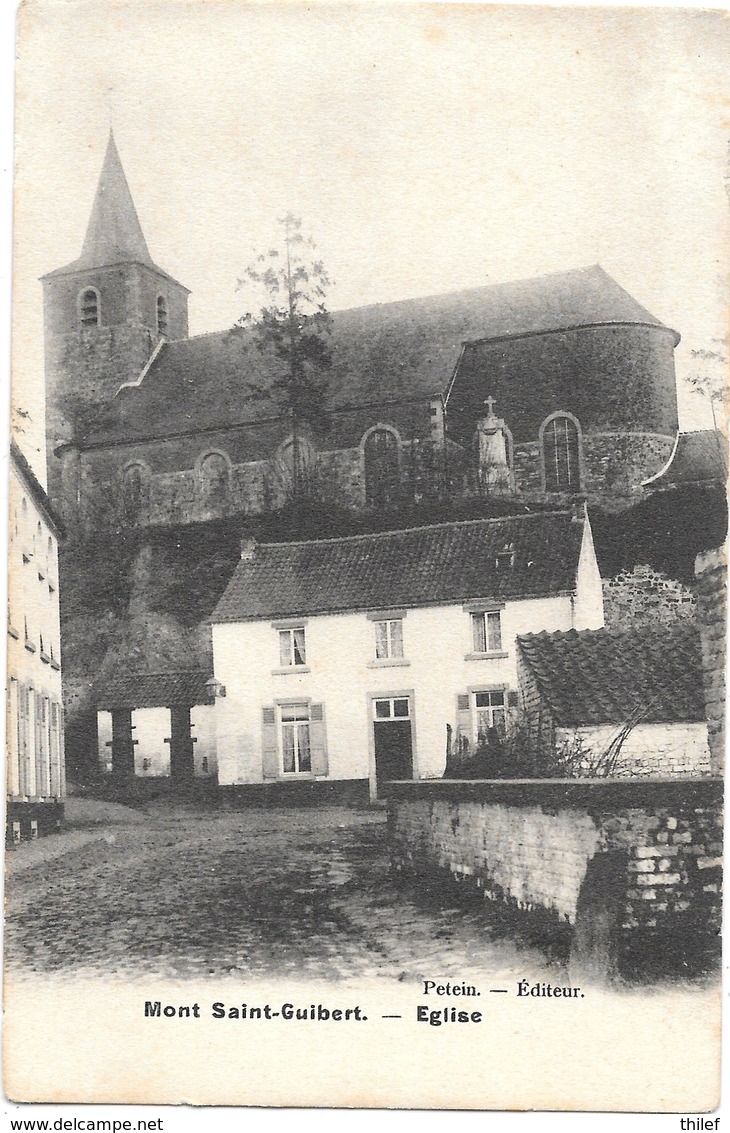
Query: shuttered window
[294,740]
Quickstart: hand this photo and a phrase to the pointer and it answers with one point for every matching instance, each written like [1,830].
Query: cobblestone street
[297,893]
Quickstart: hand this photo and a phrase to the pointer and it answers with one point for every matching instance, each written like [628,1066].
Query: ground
[299,893]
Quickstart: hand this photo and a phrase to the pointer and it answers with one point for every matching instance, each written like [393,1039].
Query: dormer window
[504,560]
[89,307]
[162,316]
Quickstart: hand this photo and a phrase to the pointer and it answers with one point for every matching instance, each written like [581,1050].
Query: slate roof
[603,677]
[114,234]
[698,457]
[36,490]
[424,566]
[382,353]
[154,690]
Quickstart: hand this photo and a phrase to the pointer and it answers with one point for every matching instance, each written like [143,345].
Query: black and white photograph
[367,556]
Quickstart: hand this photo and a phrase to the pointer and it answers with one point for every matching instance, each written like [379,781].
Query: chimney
[248,548]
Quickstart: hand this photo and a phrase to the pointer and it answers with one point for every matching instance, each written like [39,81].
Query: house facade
[157,725]
[537,389]
[35,755]
[350,662]
[618,703]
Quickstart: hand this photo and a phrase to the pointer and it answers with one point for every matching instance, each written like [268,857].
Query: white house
[614,702]
[35,759]
[348,662]
[157,725]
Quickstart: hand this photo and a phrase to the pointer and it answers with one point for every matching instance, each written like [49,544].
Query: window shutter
[513,699]
[39,777]
[318,739]
[269,744]
[463,717]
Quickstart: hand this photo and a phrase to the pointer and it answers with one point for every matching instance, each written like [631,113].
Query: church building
[535,390]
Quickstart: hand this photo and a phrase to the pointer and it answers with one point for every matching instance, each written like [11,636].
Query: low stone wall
[632,868]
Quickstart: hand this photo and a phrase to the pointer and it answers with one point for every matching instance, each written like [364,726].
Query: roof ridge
[409,530]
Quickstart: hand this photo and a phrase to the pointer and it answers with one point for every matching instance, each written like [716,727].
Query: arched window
[214,480]
[162,315]
[134,492]
[560,446]
[381,453]
[89,307]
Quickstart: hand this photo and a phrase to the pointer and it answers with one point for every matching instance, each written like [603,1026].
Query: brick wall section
[529,844]
[644,596]
[711,574]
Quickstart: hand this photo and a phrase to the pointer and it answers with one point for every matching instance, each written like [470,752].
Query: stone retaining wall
[633,868]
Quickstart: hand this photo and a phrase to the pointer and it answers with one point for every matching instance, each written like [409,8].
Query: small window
[389,639]
[382,468]
[295,739]
[89,308]
[145,764]
[487,632]
[392,708]
[292,647]
[162,315]
[491,714]
[214,480]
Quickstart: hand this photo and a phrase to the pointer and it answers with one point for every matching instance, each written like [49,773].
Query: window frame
[477,709]
[479,613]
[298,725]
[570,489]
[288,629]
[387,488]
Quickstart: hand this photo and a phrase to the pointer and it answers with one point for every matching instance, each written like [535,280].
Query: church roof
[697,458]
[114,234]
[602,676]
[383,353]
[423,566]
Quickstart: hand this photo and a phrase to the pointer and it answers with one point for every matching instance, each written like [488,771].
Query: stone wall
[666,750]
[642,856]
[645,597]
[711,573]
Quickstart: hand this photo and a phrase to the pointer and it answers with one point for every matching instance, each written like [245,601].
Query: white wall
[338,649]
[674,750]
[104,739]
[32,603]
[588,613]
[151,727]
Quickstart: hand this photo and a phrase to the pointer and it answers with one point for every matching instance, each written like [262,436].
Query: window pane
[479,632]
[396,638]
[382,709]
[287,743]
[494,632]
[299,650]
[305,756]
[285,657]
[498,720]
[294,712]
[381,640]
[400,707]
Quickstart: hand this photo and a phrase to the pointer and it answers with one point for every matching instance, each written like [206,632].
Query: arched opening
[214,480]
[89,308]
[560,448]
[134,492]
[162,315]
[381,452]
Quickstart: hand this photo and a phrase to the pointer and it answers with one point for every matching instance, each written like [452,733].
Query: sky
[428,148]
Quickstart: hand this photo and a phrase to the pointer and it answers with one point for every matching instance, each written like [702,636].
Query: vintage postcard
[367,521]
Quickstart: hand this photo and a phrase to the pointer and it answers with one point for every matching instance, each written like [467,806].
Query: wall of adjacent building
[35,716]
[674,750]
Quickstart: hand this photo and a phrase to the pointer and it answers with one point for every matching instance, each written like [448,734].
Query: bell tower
[105,313]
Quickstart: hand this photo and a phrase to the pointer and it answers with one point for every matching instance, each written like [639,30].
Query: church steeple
[114,234]
[106,312]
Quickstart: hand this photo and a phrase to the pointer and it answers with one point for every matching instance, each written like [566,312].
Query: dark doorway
[393,739]
[122,742]
[181,746]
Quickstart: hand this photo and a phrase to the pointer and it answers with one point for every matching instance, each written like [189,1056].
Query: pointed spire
[114,234]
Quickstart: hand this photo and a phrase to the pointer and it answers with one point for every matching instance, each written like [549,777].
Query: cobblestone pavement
[298,893]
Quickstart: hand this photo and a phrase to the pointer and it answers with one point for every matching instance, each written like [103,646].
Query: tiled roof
[698,457]
[37,493]
[423,566]
[382,353]
[604,677]
[154,690]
